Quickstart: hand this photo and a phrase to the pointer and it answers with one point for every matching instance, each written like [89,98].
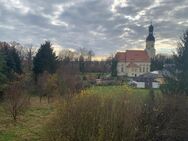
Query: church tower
[150,42]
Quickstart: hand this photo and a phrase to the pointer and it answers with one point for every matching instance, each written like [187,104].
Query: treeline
[176,66]
[36,66]
[85,66]
[176,81]
[26,71]
[160,61]
[17,60]
[10,64]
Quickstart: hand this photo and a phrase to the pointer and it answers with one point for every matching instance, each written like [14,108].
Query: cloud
[104,26]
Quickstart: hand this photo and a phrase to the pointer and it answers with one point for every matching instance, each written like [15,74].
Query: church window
[143,69]
[147,69]
[122,70]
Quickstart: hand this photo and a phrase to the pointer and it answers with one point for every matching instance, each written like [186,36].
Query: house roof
[153,74]
[133,56]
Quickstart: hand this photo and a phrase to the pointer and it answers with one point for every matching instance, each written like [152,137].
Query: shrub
[16,100]
[90,117]
[126,117]
[69,80]
[48,86]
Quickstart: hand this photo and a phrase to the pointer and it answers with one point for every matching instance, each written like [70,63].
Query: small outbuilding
[152,79]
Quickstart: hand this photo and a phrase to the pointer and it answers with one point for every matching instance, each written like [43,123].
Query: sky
[104,26]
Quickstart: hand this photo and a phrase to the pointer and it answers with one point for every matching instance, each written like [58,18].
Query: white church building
[133,63]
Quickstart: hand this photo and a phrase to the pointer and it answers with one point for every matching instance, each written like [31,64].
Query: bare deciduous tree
[16,100]
[69,80]
[87,54]
[67,54]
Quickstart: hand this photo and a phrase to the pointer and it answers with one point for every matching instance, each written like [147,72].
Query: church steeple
[150,42]
[151,29]
[150,37]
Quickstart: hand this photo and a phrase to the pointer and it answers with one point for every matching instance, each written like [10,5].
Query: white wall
[150,48]
[144,67]
[140,84]
[155,85]
[119,69]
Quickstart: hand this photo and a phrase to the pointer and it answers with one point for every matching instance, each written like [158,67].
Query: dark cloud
[102,25]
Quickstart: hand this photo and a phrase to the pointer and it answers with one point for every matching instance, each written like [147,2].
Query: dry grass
[103,114]
[98,114]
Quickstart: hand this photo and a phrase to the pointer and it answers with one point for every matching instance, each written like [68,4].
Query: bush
[16,100]
[48,86]
[90,117]
[69,80]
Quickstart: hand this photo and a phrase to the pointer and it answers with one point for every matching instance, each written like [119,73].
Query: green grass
[94,75]
[7,136]
[119,90]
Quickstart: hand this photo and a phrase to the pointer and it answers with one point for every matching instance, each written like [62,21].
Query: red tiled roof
[133,56]
[120,56]
[137,56]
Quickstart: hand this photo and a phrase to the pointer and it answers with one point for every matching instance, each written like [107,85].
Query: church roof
[133,56]
[137,56]
[120,56]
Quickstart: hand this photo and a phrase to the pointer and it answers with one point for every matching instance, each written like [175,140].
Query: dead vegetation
[96,118]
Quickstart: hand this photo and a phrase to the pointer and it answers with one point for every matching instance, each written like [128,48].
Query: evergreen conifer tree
[12,60]
[114,67]
[45,60]
[177,80]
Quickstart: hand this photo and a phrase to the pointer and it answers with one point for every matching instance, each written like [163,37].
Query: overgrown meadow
[117,113]
[101,113]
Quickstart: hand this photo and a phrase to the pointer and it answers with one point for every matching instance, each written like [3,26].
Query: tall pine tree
[45,60]
[12,60]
